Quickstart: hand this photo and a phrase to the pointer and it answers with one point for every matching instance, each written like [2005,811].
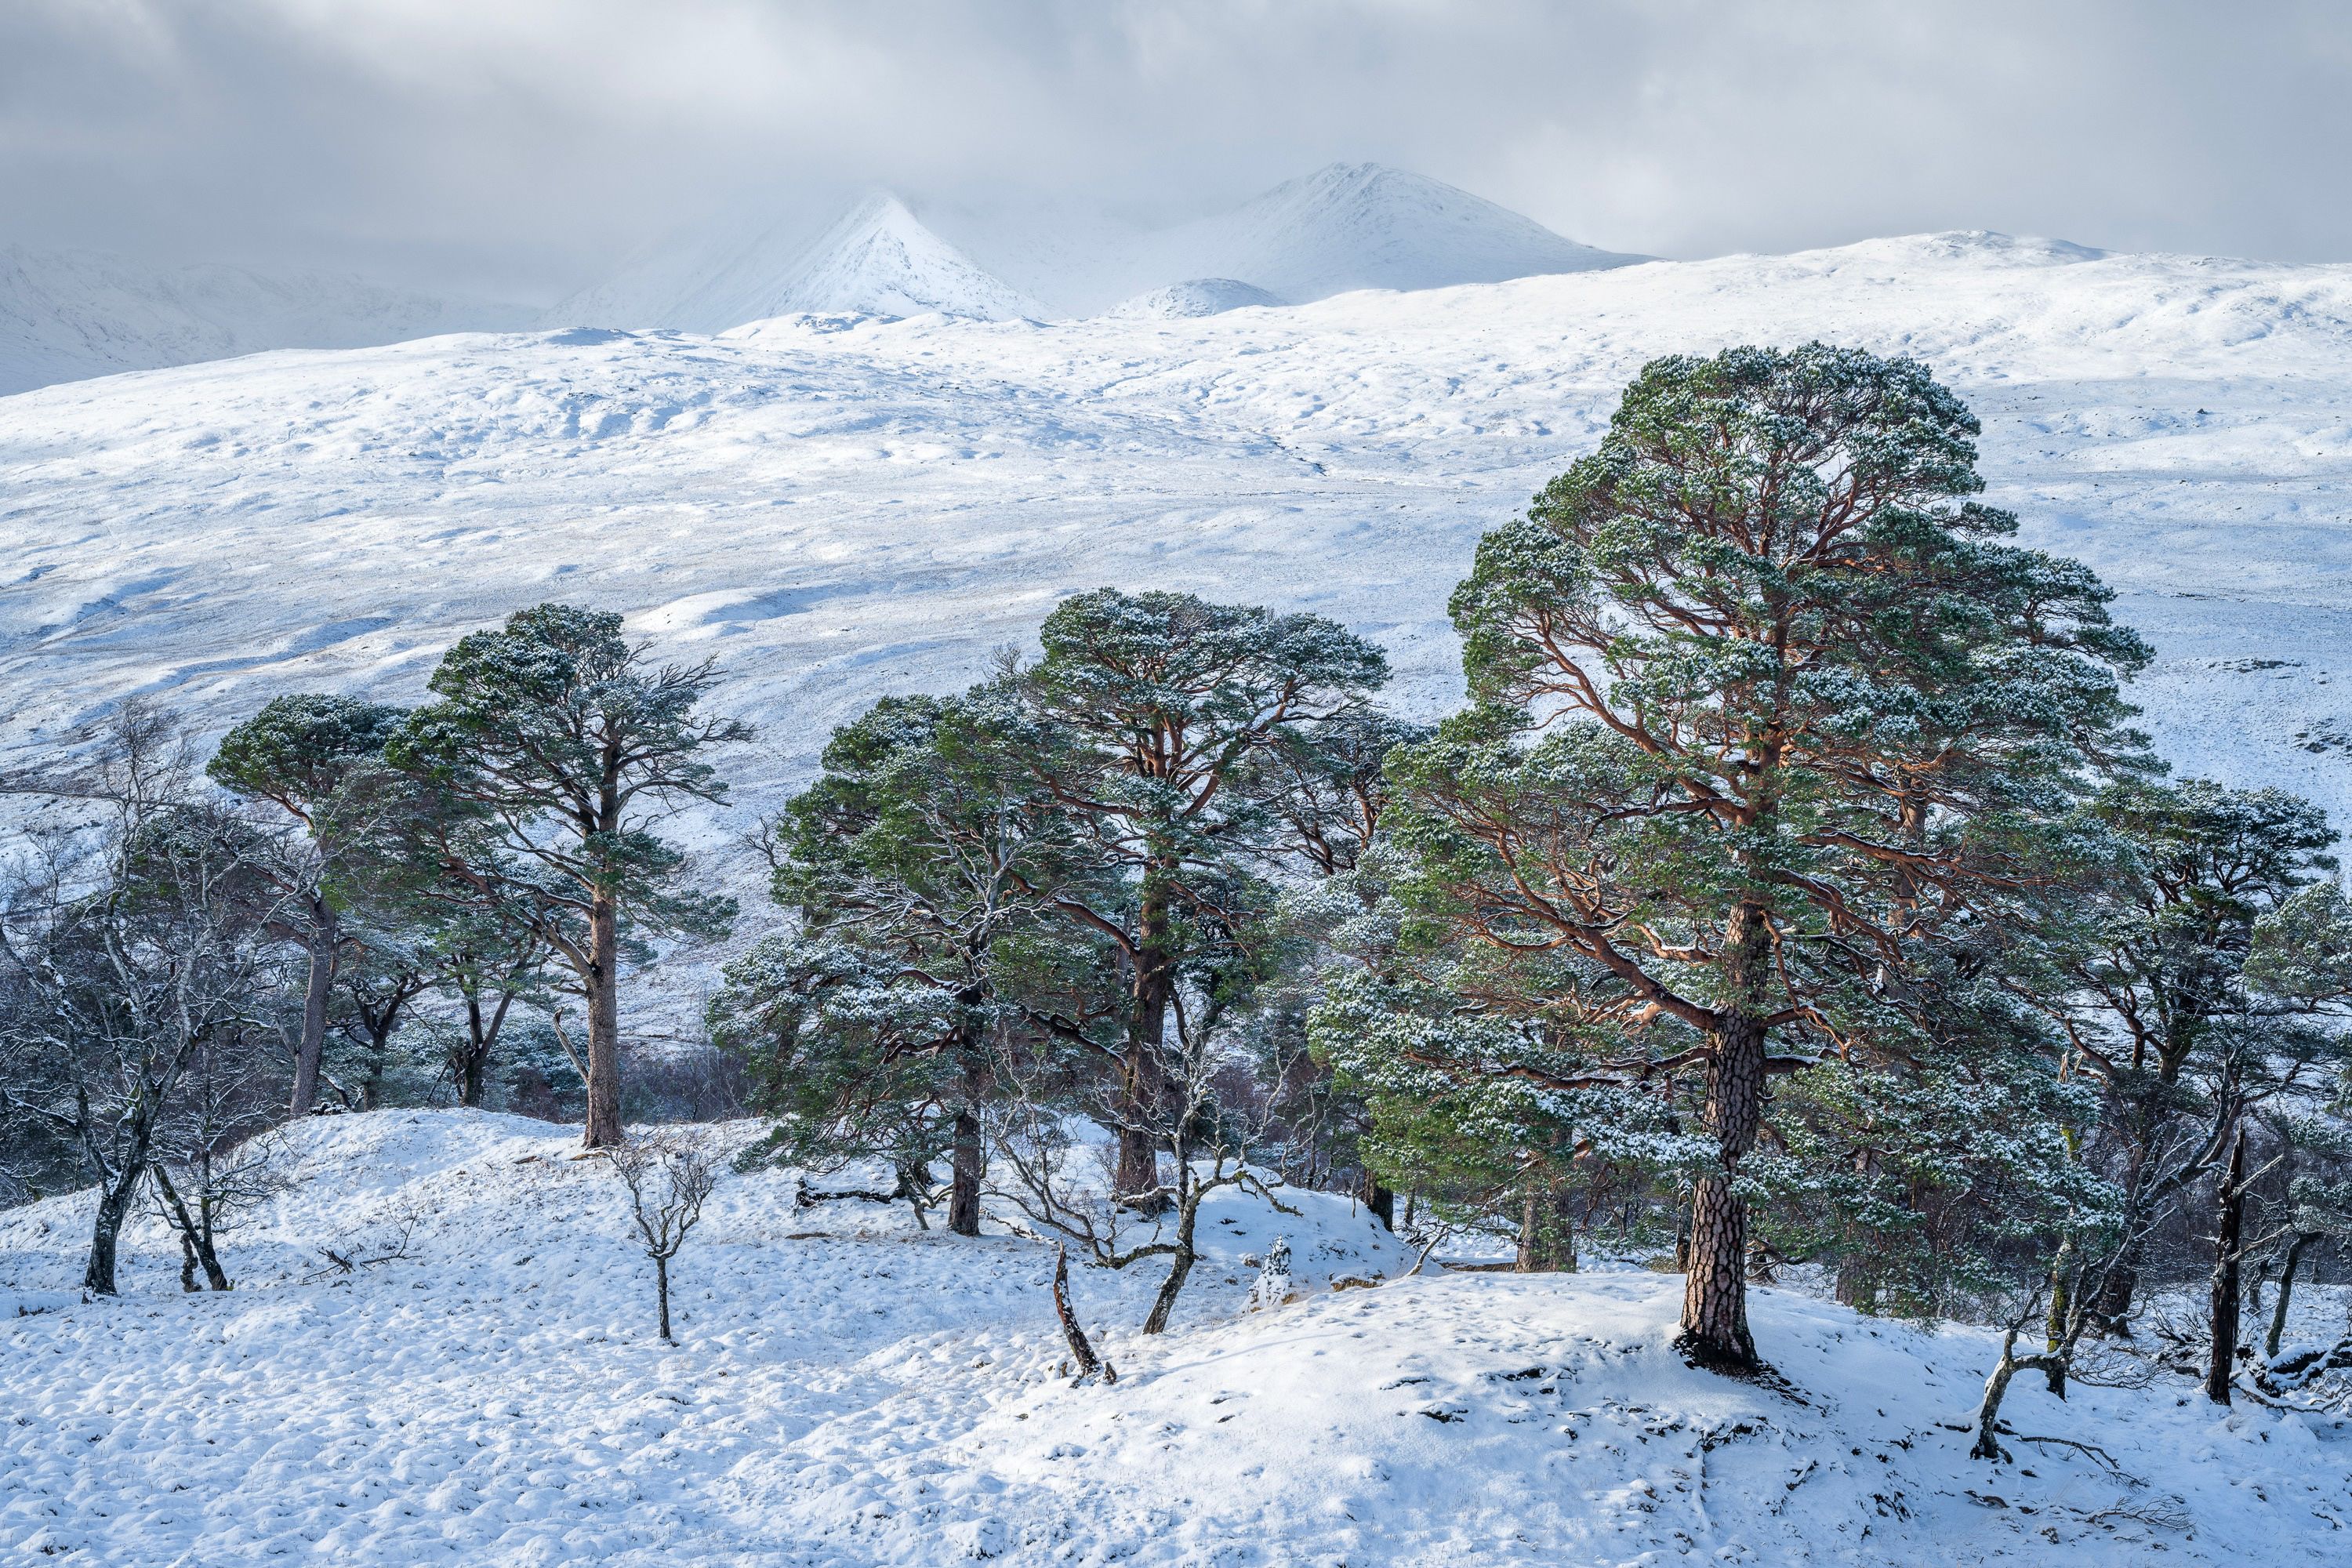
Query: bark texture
[1082,1349]
[963,1189]
[604,1129]
[2230,1202]
[1715,1289]
[311,1048]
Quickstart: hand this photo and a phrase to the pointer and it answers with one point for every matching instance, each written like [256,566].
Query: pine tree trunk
[379,1058]
[1547,1230]
[963,1192]
[2221,1351]
[1381,1201]
[311,1048]
[603,1129]
[1715,1290]
[1138,1151]
[477,1054]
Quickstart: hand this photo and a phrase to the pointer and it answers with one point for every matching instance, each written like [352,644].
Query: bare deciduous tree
[132,942]
[668,1180]
[1207,1136]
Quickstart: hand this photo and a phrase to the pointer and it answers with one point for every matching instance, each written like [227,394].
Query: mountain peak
[877,259]
[1367,226]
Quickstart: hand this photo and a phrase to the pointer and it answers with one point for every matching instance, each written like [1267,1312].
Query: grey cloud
[524,144]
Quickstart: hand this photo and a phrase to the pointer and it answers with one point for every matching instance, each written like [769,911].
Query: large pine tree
[554,748]
[1765,712]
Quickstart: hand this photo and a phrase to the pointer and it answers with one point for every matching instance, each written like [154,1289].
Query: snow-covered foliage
[849,1390]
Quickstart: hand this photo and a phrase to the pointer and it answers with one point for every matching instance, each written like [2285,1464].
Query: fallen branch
[2091,1448]
[347,1263]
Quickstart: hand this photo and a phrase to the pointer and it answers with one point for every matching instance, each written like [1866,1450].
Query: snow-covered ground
[850,1391]
[838,506]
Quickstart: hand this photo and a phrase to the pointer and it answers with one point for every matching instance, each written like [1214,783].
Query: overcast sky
[521,145]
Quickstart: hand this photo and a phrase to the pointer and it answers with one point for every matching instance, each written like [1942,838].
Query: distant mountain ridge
[1345,226]
[66,315]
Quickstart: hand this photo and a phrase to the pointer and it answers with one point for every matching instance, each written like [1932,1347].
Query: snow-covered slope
[1196,297]
[1365,225]
[68,314]
[852,1392]
[876,259]
[838,509]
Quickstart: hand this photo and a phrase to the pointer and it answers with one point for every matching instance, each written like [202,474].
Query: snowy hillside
[878,259]
[839,508]
[1197,297]
[68,314]
[850,1392]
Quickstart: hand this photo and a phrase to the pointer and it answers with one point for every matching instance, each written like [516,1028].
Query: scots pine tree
[1765,712]
[1161,704]
[300,754]
[919,860]
[558,746]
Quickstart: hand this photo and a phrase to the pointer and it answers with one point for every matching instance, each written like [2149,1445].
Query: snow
[837,507]
[876,259]
[67,314]
[1197,297]
[851,1390]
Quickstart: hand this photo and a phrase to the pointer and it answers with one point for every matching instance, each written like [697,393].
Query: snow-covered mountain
[1364,226]
[876,259]
[68,314]
[1351,226]
[849,1390]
